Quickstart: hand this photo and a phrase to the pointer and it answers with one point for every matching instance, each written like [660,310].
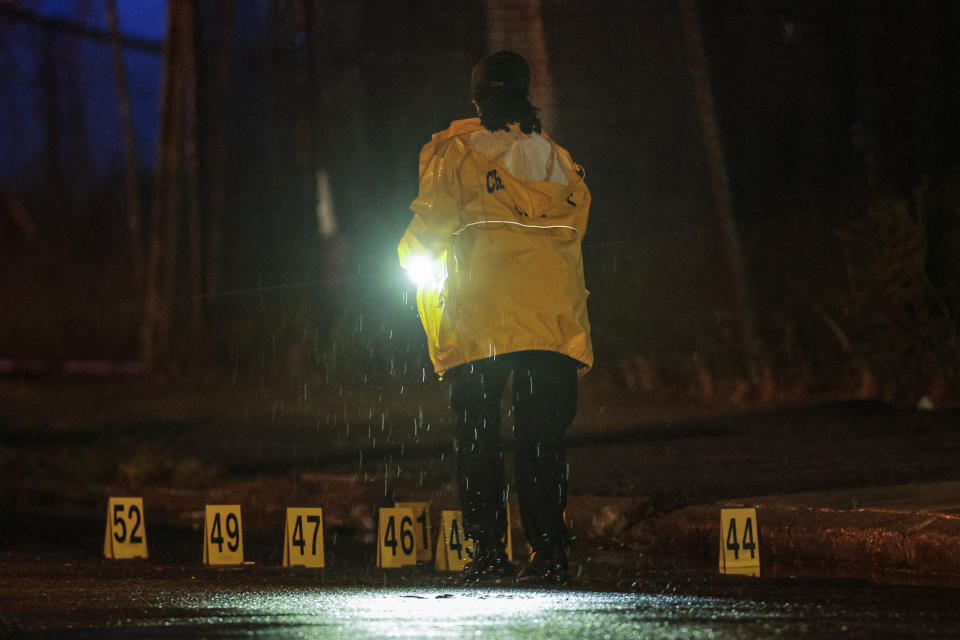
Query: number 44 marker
[739,542]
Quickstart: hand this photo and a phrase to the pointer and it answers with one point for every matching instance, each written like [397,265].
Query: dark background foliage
[838,136]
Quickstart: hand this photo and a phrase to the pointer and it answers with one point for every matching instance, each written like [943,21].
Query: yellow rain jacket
[508,272]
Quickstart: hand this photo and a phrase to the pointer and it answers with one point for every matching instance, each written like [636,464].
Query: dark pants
[544,404]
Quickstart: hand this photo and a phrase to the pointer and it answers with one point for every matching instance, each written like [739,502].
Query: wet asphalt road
[54,585]
[96,598]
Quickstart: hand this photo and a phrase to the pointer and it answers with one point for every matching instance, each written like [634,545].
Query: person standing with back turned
[494,246]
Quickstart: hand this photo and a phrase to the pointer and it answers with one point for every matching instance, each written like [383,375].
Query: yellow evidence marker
[440,562]
[422,530]
[739,542]
[396,545]
[455,550]
[222,535]
[126,532]
[303,538]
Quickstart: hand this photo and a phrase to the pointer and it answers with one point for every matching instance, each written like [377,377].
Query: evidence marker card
[455,550]
[222,534]
[422,531]
[440,551]
[125,535]
[739,541]
[396,545]
[303,538]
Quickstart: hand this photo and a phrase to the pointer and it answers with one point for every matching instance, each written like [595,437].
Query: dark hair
[498,109]
[501,88]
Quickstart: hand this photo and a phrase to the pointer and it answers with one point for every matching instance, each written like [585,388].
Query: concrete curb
[864,540]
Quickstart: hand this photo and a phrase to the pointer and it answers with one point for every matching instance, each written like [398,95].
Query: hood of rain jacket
[508,264]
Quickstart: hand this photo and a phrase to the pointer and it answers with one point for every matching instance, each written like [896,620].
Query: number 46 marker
[422,536]
[396,545]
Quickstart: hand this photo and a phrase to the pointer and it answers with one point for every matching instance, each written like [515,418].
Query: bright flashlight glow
[423,271]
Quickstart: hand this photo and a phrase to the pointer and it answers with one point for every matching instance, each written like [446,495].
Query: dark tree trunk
[131,189]
[218,144]
[161,257]
[195,284]
[719,183]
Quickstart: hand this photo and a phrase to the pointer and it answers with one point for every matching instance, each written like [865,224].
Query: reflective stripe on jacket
[509,266]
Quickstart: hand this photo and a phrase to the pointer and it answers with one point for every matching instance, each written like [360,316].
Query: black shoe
[491,563]
[546,569]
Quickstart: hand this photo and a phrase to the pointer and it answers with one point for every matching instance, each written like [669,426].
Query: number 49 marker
[222,535]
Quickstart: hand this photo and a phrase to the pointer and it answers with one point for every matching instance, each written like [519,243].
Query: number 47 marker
[303,538]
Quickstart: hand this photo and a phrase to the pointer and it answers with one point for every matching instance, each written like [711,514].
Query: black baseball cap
[501,71]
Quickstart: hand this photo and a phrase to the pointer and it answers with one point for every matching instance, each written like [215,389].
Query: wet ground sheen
[50,597]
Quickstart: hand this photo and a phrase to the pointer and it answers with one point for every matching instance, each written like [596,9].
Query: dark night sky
[143,19]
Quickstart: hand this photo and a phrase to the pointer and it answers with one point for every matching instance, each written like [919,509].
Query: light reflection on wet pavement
[421,612]
[93,598]
[432,613]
